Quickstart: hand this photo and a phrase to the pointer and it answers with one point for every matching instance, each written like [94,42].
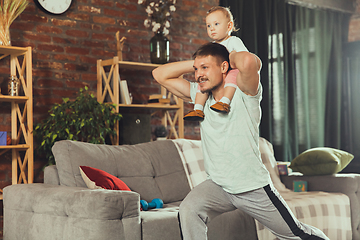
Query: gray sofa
[64,208]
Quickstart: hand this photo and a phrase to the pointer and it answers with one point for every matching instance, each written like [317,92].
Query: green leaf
[82,119]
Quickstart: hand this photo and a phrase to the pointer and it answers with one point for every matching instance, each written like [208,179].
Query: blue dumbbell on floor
[155,203]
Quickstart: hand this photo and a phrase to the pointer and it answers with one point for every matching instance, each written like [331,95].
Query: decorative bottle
[13,86]
[159,48]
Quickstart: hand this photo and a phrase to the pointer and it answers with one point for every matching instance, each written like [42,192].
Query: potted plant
[161,132]
[84,119]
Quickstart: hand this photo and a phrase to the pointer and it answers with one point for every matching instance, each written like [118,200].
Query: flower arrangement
[159,14]
[9,11]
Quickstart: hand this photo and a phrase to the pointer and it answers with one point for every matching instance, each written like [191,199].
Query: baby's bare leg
[200,100]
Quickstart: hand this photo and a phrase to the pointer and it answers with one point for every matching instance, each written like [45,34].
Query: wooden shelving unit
[21,114]
[108,85]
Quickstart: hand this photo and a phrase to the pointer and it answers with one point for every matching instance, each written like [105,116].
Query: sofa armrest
[38,211]
[348,184]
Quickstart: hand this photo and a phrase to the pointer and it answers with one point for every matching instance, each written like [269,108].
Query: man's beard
[206,91]
[211,88]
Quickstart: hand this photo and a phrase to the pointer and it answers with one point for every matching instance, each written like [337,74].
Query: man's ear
[224,66]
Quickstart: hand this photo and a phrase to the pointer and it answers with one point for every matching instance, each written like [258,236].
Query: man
[236,176]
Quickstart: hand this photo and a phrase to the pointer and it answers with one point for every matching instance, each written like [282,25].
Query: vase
[159,48]
[5,36]
[13,86]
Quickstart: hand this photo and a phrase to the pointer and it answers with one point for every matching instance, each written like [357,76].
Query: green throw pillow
[321,161]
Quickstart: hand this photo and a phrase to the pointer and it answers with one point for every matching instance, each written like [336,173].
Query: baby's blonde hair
[226,11]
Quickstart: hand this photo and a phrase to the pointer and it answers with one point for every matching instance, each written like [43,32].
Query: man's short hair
[213,49]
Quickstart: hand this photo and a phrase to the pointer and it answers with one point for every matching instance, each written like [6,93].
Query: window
[304,72]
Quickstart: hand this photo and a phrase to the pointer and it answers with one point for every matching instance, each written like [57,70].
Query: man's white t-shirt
[230,143]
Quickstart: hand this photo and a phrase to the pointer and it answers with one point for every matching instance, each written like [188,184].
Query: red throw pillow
[96,178]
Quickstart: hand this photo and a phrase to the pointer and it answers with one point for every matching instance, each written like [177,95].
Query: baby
[219,24]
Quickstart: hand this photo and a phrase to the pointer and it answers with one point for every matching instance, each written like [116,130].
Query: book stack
[159,99]
[124,93]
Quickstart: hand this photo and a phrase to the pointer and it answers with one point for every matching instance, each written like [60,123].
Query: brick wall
[66,48]
[354,26]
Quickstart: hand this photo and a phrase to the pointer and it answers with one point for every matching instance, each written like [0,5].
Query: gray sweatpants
[207,200]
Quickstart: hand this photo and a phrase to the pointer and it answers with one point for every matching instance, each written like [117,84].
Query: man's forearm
[169,76]
[245,62]
[172,70]
[249,66]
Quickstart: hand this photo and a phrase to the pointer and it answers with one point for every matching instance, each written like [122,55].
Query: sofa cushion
[268,159]
[321,161]
[193,160]
[150,169]
[162,223]
[99,179]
